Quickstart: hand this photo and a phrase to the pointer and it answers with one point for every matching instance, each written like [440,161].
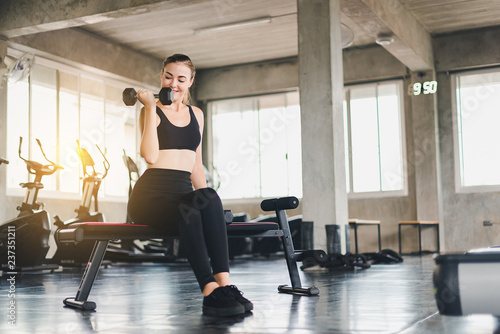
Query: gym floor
[164,298]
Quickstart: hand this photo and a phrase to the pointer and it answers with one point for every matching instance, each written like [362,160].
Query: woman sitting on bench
[163,197]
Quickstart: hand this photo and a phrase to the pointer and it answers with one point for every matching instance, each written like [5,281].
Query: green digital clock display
[427,87]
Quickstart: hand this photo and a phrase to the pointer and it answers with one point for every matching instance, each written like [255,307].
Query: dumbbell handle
[165,95]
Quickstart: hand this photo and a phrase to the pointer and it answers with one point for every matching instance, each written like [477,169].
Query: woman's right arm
[147,122]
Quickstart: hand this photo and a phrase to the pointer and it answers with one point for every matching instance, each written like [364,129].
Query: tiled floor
[164,298]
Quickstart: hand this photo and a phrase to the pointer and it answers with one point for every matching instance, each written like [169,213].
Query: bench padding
[113,231]
[105,231]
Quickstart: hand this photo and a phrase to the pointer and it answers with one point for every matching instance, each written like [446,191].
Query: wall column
[424,157]
[321,96]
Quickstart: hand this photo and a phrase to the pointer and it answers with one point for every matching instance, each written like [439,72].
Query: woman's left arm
[198,174]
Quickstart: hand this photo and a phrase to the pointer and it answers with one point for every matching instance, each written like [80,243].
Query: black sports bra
[174,137]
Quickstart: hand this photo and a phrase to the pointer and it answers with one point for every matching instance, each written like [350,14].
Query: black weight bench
[102,233]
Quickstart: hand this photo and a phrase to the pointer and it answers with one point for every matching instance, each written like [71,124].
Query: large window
[59,105]
[478,121]
[374,139]
[256,143]
[256,146]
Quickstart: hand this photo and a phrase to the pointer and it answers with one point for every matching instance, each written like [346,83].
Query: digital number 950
[428,87]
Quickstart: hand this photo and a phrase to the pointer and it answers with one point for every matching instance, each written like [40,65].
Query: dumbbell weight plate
[129,96]
[166,96]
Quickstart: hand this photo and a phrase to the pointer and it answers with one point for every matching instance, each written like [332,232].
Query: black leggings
[164,199]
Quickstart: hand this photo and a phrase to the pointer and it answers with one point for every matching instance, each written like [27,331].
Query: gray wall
[463,214]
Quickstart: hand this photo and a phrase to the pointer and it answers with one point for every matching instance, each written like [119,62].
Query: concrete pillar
[425,156]
[321,95]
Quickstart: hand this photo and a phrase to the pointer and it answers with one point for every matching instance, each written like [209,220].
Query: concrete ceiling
[162,27]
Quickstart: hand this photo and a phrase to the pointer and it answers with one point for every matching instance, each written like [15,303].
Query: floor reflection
[165,298]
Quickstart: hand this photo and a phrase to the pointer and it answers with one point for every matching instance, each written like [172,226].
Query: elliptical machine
[29,232]
[70,254]
[91,182]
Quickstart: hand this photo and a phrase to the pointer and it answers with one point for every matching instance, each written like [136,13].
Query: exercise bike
[67,254]
[24,240]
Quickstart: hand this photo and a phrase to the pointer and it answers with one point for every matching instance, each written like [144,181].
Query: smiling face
[179,78]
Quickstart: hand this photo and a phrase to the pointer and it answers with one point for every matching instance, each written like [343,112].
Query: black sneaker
[238,296]
[221,303]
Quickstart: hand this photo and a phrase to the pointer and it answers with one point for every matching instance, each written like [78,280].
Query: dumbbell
[165,95]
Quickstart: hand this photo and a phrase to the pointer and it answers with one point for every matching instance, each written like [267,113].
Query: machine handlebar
[38,168]
[87,161]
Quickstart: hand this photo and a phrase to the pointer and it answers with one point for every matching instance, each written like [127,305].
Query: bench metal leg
[419,227]
[399,237]
[291,262]
[437,234]
[379,239]
[356,237]
[419,239]
[89,276]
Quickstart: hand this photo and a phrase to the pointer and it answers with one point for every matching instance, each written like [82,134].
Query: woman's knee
[205,197]
[199,202]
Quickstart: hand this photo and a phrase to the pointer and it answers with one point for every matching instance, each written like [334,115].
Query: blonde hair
[181,58]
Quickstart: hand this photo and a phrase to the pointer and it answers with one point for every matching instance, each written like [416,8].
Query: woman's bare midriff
[175,159]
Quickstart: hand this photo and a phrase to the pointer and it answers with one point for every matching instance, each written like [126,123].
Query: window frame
[349,163]
[210,145]
[459,187]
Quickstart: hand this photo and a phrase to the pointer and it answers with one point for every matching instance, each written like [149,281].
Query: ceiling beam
[412,44]
[23,17]
[81,49]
